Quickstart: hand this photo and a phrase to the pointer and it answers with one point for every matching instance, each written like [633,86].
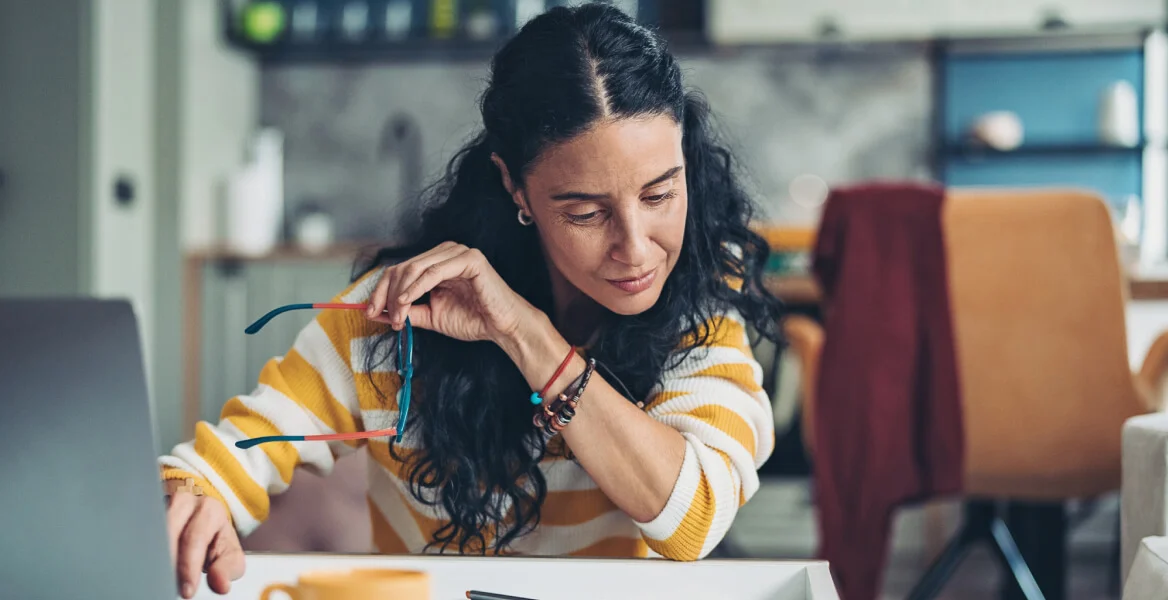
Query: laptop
[81,508]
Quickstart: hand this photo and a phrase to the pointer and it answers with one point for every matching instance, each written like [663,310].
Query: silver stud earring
[524,218]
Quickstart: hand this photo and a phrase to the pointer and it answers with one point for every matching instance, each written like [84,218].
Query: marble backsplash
[360,140]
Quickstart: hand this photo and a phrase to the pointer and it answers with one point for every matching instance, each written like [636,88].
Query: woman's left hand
[469,301]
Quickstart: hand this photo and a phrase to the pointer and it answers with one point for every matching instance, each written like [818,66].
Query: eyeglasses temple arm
[260,322]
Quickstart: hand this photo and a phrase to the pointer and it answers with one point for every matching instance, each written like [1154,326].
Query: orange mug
[355,584]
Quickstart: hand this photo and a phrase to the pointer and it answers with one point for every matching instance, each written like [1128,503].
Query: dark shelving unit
[1040,149]
[681,25]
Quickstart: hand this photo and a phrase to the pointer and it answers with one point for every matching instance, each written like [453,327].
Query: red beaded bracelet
[537,397]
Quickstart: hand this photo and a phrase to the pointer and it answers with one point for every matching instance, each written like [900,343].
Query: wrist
[537,349]
[525,336]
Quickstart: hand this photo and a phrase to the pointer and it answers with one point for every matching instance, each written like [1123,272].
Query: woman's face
[610,206]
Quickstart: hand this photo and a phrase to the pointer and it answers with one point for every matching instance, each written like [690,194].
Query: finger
[388,285]
[460,265]
[377,298]
[396,308]
[226,561]
[182,506]
[420,316]
[195,541]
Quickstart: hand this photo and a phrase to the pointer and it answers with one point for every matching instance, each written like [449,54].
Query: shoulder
[361,288]
[719,350]
[347,324]
[723,329]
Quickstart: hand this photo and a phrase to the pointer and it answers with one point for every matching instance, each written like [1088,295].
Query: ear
[506,175]
[508,183]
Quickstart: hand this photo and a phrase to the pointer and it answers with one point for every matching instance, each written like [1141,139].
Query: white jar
[1119,115]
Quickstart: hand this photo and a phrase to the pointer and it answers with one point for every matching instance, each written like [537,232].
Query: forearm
[634,459]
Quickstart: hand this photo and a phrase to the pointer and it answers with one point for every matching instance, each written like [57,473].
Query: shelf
[374,51]
[681,26]
[1071,149]
[368,51]
[345,251]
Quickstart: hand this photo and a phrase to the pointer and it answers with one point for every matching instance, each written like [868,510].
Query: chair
[1037,305]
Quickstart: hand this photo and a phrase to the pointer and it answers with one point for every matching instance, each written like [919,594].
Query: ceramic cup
[355,584]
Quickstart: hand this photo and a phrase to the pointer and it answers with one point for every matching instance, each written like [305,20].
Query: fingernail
[188,590]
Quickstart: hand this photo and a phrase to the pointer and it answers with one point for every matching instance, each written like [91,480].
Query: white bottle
[1119,118]
[255,199]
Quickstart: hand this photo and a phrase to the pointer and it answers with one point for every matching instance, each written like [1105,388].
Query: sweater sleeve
[310,390]
[714,397]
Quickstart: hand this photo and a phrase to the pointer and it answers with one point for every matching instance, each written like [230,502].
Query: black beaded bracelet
[556,416]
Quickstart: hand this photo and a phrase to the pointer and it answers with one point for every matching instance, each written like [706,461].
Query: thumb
[421,316]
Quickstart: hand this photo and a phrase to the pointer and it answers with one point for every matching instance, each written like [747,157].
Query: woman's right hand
[202,540]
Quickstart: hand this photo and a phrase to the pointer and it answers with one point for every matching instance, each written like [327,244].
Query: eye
[660,198]
[585,218]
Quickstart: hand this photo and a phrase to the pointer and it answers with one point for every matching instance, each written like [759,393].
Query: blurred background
[213,159]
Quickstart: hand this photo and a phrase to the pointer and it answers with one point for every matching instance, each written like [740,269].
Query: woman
[595,211]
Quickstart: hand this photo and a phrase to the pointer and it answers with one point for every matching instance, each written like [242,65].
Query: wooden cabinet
[763,21]
[1114,12]
[890,19]
[233,294]
[768,21]
[989,17]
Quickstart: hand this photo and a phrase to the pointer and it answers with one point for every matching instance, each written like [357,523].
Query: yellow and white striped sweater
[714,399]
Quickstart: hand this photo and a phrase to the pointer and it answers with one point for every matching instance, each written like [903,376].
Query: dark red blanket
[888,426]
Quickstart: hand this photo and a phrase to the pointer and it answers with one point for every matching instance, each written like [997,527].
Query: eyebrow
[582,196]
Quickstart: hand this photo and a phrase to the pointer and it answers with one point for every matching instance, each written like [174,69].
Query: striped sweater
[714,399]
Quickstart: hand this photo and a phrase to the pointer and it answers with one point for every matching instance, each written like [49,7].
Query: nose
[631,244]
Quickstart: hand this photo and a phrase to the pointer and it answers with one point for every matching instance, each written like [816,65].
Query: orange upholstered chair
[1037,302]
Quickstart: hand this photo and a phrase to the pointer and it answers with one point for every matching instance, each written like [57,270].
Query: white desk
[562,578]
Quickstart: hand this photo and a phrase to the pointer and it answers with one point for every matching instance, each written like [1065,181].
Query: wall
[219,88]
[168,292]
[843,115]
[45,148]
[122,110]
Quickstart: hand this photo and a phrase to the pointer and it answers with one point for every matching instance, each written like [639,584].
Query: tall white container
[255,197]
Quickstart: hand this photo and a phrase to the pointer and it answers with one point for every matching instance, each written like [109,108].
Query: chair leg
[981,523]
[1039,530]
[974,528]
[942,569]
[1012,559]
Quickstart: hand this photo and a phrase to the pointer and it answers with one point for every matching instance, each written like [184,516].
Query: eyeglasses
[405,368]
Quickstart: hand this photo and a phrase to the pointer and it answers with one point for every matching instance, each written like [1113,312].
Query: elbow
[689,548]
[695,536]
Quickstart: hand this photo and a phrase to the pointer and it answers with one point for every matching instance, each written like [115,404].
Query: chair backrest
[1037,299]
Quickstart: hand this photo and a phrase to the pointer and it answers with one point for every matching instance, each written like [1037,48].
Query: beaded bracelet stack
[552,417]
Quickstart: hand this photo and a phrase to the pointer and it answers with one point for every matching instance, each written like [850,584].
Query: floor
[779,522]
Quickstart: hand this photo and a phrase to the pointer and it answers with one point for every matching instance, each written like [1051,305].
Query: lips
[635,285]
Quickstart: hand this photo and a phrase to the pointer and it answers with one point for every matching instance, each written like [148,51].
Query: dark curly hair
[478,456]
